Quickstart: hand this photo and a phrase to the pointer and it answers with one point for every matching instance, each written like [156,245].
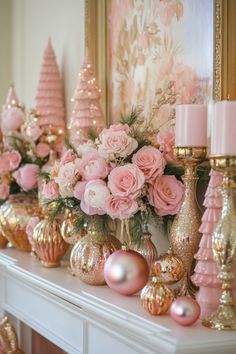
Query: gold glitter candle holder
[224,246]
[184,235]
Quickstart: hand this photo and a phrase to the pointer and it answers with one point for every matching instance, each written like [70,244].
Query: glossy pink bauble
[126,272]
[185,310]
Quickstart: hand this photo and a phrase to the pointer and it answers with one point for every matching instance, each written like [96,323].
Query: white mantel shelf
[93,319]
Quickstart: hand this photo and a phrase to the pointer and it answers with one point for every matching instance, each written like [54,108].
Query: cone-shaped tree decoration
[12,116]
[50,103]
[87,113]
[206,271]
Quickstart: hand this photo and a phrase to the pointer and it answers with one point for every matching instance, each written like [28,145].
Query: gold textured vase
[224,246]
[48,243]
[89,255]
[68,228]
[14,216]
[184,235]
[8,338]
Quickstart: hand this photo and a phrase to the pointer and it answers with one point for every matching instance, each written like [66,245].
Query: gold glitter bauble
[14,216]
[48,243]
[156,298]
[168,269]
[90,254]
[8,338]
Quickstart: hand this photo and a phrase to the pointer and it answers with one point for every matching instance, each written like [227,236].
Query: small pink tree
[87,113]
[206,270]
[50,103]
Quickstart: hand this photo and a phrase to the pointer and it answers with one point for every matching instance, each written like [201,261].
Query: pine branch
[70,146]
[132,118]
[44,175]
[136,230]
[92,134]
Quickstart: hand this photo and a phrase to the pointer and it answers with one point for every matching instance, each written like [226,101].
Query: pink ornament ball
[185,311]
[126,272]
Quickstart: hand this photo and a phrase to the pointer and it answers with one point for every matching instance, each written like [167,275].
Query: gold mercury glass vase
[184,235]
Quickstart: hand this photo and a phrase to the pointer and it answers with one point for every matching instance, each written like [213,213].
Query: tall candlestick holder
[224,245]
[184,235]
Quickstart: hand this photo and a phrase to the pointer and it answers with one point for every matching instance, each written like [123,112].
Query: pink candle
[223,136]
[191,125]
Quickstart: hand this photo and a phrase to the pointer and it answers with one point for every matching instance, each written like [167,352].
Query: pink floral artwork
[154,42]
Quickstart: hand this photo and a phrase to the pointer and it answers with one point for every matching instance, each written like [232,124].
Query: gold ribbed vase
[48,243]
[89,255]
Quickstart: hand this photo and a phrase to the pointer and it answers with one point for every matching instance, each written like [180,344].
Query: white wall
[33,21]
[5,47]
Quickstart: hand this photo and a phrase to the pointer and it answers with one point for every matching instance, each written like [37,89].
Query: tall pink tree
[206,270]
[50,103]
[87,113]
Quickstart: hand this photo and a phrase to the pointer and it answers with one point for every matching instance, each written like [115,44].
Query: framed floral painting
[154,54]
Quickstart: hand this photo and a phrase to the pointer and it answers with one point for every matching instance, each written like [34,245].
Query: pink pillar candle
[223,136]
[191,125]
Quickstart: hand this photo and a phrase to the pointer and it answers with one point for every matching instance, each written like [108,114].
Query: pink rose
[33,221]
[79,190]
[12,119]
[4,164]
[26,176]
[35,132]
[126,181]
[42,150]
[115,128]
[14,159]
[116,143]
[166,195]
[68,156]
[150,161]
[92,166]
[4,191]
[50,190]
[166,140]
[120,207]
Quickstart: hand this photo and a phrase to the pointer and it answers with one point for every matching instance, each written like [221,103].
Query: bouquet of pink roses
[119,175]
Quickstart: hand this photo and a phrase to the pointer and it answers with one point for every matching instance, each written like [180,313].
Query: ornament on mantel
[50,103]
[87,114]
[8,338]
[206,270]
[185,310]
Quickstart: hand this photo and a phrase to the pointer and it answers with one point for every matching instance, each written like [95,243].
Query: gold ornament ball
[156,298]
[168,269]
[68,232]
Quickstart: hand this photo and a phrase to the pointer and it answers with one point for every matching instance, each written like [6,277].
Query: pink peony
[166,195]
[166,140]
[92,166]
[42,150]
[68,156]
[79,190]
[14,159]
[126,181]
[33,221]
[150,161]
[50,190]
[79,193]
[116,143]
[35,132]
[4,191]
[95,194]
[120,207]
[26,176]
[12,119]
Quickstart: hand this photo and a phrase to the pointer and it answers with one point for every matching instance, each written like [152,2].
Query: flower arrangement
[25,149]
[120,175]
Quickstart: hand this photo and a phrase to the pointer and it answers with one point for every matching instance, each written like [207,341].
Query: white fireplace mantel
[93,319]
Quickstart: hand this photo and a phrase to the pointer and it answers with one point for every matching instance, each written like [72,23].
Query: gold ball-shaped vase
[146,248]
[89,255]
[168,269]
[48,243]
[156,298]
[68,229]
[14,216]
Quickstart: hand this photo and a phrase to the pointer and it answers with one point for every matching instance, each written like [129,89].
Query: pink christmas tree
[50,103]
[87,113]
[206,270]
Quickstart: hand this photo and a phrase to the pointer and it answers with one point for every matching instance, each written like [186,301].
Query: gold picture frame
[224,68]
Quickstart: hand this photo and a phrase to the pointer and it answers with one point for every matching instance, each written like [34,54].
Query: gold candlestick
[184,234]
[224,246]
